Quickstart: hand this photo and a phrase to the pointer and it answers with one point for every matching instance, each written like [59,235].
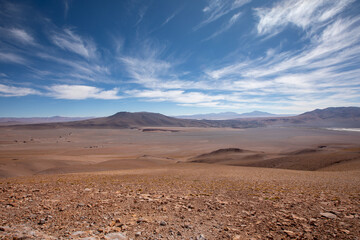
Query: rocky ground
[183,201]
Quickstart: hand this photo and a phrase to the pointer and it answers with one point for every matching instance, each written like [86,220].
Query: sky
[96,58]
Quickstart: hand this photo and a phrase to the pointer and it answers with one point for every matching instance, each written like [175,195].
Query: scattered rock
[290,233]
[142,220]
[42,221]
[163,223]
[201,237]
[328,215]
[115,236]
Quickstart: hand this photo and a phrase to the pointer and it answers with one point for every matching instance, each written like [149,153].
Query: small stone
[142,220]
[312,221]
[345,231]
[163,223]
[137,234]
[290,233]
[42,221]
[201,237]
[188,226]
[115,236]
[328,215]
[298,218]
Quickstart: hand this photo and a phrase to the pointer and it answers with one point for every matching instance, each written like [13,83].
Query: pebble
[42,221]
[115,236]
[163,223]
[201,237]
[289,233]
[328,215]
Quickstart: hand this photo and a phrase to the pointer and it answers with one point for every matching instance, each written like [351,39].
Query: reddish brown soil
[154,192]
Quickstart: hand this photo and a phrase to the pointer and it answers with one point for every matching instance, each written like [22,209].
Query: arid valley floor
[179,183]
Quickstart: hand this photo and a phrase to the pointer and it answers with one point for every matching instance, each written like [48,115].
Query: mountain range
[230,115]
[32,120]
[345,117]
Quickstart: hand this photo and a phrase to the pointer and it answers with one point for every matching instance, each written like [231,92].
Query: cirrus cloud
[79,92]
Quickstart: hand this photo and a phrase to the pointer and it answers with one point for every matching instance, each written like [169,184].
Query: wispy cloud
[66,7]
[226,26]
[168,19]
[141,14]
[80,92]
[21,35]
[301,13]
[177,96]
[12,58]
[218,8]
[69,40]
[324,72]
[11,91]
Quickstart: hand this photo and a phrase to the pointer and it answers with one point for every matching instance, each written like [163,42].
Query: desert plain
[179,183]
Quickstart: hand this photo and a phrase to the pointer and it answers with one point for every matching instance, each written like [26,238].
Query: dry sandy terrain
[161,184]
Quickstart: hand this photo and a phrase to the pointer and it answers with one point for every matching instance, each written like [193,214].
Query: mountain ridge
[348,117]
[230,115]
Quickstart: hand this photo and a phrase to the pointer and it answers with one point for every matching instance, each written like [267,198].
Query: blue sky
[96,58]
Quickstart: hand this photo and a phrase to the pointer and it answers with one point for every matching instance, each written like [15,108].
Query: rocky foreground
[183,201]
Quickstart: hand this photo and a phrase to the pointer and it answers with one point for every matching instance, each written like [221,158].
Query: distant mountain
[34,120]
[347,117]
[255,114]
[229,115]
[211,116]
[126,120]
[332,113]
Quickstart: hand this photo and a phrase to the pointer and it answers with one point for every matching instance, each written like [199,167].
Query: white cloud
[66,8]
[218,8]
[170,17]
[302,13]
[11,58]
[79,92]
[177,96]
[69,40]
[10,91]
[324,72]
[227,26]
[141,14]
[21,35]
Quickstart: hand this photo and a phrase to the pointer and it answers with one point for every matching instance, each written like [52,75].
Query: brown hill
[305,159]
